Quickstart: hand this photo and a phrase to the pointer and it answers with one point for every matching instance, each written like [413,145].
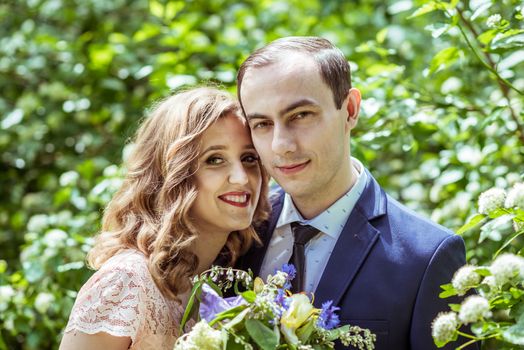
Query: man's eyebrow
[299,103]
[256,116]
[294,105]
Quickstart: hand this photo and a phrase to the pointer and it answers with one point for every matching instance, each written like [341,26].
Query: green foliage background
[442,116]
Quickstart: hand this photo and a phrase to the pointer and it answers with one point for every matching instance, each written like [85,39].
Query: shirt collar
[332,220]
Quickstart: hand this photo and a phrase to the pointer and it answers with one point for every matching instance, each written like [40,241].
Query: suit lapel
[353,245]
[351,249]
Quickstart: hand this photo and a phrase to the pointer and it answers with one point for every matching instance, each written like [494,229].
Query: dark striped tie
[302,235]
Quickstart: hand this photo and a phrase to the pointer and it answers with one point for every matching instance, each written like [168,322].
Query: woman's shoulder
[122,300]
[110,301]
[126,259]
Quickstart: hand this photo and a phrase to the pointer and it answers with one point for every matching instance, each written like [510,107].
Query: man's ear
[353,107]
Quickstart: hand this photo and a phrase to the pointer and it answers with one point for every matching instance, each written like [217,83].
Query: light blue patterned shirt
[318,250]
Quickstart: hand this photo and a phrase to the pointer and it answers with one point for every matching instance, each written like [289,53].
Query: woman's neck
[207,247]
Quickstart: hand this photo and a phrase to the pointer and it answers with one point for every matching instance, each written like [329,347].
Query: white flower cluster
[473,309]
[506,267]
[43,301]
[224,277]
[492,285]
[265,306]
[494,20]
[465,278]
[515,196]
[279,279]
[202,337]
[444,326]
[6,293]
[491,199]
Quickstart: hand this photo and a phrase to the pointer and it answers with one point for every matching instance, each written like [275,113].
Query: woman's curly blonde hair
[150,212]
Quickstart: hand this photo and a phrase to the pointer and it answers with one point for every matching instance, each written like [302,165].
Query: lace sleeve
[109,302]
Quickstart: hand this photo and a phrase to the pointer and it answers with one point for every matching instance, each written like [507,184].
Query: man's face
[300,135]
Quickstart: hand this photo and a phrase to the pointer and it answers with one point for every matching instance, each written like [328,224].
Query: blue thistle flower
[328,319]
[291,272]
[282,300]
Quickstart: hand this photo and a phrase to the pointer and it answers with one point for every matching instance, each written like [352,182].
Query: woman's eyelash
[214,160]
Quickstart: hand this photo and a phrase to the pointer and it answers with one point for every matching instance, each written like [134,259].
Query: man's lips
[237,199]
[293,168]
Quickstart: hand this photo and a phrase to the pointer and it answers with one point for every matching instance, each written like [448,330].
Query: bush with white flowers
[494,309]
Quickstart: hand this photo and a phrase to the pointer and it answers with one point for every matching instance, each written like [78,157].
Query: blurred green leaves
[441,116]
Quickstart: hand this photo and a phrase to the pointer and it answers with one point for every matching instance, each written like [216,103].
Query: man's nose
[283,141]
[238,174]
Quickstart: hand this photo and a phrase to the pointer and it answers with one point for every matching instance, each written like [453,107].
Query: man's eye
[302,115]
[214,160]
[261,125]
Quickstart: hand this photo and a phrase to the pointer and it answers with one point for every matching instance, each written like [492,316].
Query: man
[378,261]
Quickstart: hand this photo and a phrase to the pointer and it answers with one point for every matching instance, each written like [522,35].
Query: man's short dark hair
[333,66]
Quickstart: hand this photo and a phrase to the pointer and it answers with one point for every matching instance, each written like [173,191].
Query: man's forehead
[289,63]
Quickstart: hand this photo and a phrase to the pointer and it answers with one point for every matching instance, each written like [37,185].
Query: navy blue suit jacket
[385,271]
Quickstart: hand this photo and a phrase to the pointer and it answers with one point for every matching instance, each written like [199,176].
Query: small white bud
[515,197]
[444,326]
[506,267]
[473,309]
[465,278]
[43,302]
[494,20]
[491,199]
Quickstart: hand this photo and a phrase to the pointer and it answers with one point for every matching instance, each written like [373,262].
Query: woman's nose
[238,175]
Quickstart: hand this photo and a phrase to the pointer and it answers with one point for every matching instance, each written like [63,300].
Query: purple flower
[328,319]
[291,272]
[281,299]
[211,303]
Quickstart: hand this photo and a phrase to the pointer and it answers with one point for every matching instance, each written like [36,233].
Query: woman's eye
[250,159]
[214,160]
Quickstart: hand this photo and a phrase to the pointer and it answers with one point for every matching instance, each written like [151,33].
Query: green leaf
[515,333]
[496,228]
[381,35]
[508,242]
[304,332]
[481,9]
[472,222]
[212,284]
[486,37]
[444,58]
[261,334]
[334,334]
[426,8]
[454,307]
[437,29]
[448,291]
[196,290]
[483,271]
[249,296]
[440,344]
[236,315]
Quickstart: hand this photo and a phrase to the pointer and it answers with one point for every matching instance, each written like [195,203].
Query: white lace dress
[121,299]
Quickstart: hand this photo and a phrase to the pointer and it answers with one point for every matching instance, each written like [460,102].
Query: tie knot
[303,233]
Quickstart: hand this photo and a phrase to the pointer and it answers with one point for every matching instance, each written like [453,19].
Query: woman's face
[228,178]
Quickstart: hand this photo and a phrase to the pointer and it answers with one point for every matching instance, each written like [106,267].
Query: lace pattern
[121,299]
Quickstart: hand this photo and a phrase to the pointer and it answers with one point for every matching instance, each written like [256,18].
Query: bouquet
[265,316]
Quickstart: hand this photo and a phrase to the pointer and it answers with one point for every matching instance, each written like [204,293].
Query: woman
[193,188]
